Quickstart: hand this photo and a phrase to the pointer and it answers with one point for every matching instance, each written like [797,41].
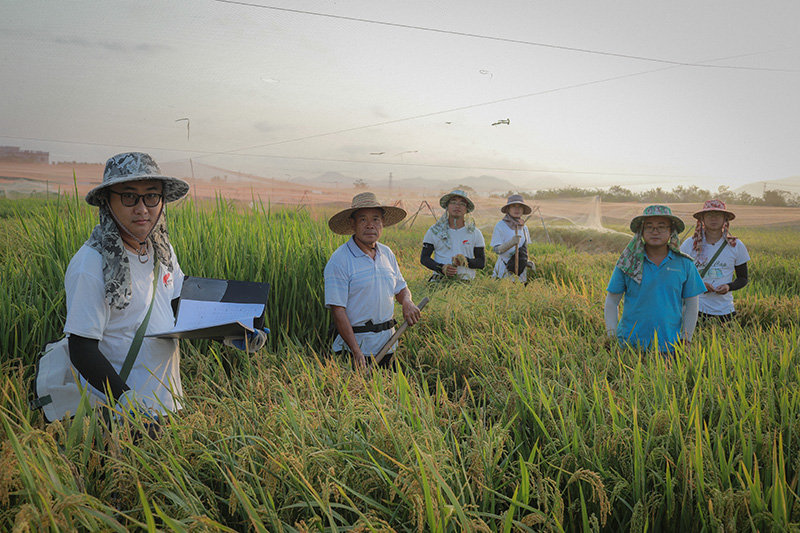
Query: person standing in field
[661,285]
[458,246]
[717,255]
[362,280]
[510,240]
[124,278]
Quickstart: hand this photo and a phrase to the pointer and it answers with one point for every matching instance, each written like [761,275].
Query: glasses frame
[141,197]
[657,229]
[458,203]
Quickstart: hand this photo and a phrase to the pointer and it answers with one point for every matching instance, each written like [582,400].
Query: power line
[778,184]
[442,112]
[237,151]
[89,143]
[503,39]
[377,162]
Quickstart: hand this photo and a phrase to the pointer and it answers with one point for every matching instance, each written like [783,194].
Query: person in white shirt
[720,258]
[126,277]
[111,281]
[362,280]
[454,247]
[510,241]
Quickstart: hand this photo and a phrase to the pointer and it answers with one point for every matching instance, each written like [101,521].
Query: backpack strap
[139,336]
[708,265]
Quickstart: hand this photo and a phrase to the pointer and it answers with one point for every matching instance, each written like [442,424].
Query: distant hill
[478,183]
[757,188]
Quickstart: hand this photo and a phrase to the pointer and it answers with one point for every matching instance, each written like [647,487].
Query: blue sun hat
[136,166]
[657,211]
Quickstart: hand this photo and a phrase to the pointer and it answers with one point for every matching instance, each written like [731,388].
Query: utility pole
[390,182]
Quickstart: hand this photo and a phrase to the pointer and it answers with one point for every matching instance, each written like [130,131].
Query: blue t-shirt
[655,306]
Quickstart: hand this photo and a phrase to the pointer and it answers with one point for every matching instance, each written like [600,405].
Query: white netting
[582,213]
[17,189]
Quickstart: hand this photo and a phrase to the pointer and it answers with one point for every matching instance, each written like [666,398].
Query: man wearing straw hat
[510,240]
[457,244]
[661,285]
[718,255]
[121,283]
[362,280]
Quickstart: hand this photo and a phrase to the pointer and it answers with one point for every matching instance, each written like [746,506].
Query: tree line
[680,194]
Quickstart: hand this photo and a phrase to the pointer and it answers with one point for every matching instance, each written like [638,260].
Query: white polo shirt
[155,376]
[462,242]
[720,273]
[366,288]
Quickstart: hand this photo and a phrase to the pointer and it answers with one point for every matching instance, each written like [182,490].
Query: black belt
[369,327]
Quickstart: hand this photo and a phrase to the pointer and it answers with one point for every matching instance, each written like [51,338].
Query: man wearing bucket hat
[510,240]
[718,255]
[458,246]
[124,279]
[362,280]
[661,285]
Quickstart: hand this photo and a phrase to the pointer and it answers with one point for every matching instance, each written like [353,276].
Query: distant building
[13,153]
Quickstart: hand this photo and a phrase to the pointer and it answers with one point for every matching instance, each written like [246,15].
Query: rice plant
[509,410]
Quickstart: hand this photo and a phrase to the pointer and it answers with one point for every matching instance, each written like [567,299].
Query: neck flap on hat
[106,241]
[442,228]
[631,261]
[699,235]
[513,223]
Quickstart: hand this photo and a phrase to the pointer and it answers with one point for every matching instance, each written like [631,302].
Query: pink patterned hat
[714,205]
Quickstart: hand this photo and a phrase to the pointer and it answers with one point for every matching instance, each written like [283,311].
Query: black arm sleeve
[741,277]
[479,261]
[87,359]
[426,259]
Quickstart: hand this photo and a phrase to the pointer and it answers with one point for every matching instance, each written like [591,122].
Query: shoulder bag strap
[139,336]
[708,265]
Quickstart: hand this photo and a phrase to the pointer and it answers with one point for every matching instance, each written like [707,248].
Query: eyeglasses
[130,199]
[458,204]
[661,228]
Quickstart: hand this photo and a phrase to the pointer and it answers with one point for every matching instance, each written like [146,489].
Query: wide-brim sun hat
[136,166]
[519,200]
[444,200]
[657,211]
[340,222]
[714,205]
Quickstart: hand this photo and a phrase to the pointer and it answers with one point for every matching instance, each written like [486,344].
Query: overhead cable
[502,39]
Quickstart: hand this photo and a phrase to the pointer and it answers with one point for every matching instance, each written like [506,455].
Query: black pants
[705,318]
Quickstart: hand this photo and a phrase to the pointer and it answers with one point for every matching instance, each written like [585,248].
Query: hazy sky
[601,93]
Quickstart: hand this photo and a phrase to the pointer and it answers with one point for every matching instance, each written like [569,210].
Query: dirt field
[21,179]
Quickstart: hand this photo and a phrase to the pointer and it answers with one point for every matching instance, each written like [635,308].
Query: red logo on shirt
[167,279]
[465,241]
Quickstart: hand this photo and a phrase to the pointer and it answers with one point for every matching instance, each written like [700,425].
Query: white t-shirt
[155,376]
[462,242]
[366,288]
[720,273]
[502,234]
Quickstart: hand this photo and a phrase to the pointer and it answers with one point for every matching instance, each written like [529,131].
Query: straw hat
[136,166]
[516,199]
[444,200]
[656,211]
[714,205]
[340,222]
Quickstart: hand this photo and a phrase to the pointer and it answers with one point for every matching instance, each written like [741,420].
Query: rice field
[509,410]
